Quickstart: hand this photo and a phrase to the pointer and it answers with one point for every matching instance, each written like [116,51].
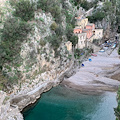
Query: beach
[98,75]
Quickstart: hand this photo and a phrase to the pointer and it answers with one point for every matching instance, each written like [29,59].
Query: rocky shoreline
[20,101]
[102,80]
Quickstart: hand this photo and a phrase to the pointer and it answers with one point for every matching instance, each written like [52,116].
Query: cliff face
[38,61]
[38,56]
[39,64]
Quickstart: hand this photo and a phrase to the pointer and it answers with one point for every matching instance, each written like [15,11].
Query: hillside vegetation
[109,10]
[21,23]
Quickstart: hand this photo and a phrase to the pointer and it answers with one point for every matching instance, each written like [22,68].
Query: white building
[82,40]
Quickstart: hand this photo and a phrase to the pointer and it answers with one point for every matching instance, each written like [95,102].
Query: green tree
[53,26]
[74,40]
[13,34]
[97,16]
[55,41]
[24,9]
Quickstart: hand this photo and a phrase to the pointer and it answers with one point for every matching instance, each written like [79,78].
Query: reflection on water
[66,104]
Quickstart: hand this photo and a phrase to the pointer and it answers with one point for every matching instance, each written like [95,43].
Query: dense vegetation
[54,8]
[85,4]
[15,31]
[23,9]
[110,11]
[97,16]
[17,27]
[13,34]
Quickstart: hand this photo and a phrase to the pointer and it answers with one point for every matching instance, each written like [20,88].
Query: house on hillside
[82,40]
[77,30]
[89,32]
[82,22]
[90,26]
[86,32]
[98,33]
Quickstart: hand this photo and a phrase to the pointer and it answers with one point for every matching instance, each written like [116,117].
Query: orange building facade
[86,32]
[77,30]
[89,32]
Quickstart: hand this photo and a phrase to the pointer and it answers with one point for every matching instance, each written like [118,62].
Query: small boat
[94,55]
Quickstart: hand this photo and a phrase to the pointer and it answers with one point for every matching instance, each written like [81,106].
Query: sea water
[62,103]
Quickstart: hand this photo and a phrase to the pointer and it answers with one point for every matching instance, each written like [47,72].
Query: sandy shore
[98,75]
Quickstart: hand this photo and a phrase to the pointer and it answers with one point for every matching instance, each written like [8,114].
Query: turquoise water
[62,103]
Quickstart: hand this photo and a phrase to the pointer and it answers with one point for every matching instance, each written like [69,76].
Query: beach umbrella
[83,65]
[90,60]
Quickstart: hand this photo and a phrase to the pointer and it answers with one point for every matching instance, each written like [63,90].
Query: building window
[82,37]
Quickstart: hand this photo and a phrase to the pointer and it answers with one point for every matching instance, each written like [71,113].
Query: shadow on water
[62,103]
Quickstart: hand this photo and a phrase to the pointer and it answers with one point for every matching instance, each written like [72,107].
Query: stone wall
[81,40]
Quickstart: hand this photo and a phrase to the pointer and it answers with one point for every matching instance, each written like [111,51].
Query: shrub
[69,31]
[74,40]
[42,42]
[24,9]
[85,4]
[13,79]
[53,26]
[51,6]
[59,31]
[14,32]
[77,53]
[42,4]
[55,41]
[41,19]
[97,16]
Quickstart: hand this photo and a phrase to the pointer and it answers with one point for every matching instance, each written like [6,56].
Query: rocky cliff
[38,65]
[35,52]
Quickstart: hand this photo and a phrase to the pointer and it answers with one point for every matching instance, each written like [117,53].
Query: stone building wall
[98,33]
[81,40]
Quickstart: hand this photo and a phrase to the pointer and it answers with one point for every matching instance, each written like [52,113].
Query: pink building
[90,26]
[89,33]
[77,30]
